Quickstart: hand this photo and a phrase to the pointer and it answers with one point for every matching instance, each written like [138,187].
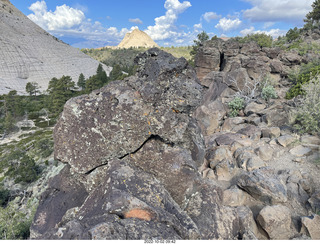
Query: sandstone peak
[30,54]
[137,38]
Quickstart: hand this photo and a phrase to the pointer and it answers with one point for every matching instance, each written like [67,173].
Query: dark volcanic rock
[129,204]
[264,185]
[64,192]
[116,120]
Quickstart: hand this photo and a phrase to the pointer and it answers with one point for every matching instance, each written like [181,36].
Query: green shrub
[306,74]
[268,92]
[263,40]
[45,146]
[235,106]
[14,225]
[307,114]
[21,167]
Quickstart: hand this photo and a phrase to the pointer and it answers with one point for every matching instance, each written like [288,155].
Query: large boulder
[157,102]
[276,221]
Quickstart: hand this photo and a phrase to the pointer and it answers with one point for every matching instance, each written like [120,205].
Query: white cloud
[63,17]
[197,26]
[164,27]
[208,16]
[226,25]
[292,11]
[70,22]
[136,21]
[275,33]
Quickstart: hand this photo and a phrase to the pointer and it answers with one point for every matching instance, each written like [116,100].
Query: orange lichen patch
[139,214]
[175,111]
[149,123]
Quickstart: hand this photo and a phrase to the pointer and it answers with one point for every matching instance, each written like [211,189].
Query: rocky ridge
[156,156]
[30,54]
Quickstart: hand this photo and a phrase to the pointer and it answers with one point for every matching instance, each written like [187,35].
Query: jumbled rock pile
[156,157]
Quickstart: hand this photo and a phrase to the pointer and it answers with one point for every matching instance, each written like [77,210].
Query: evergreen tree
[101,74]
[313,17]
[81,81]
[32,88]
[202,38]
[60,91]
[8,123]
[116,73]
[13,105]
[93,83]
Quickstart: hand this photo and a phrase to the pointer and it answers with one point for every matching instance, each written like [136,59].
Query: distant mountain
[137,38]
[30,54]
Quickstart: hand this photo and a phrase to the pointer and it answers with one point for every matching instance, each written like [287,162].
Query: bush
[45,146]
[236,105]
[21,168]
[307,114]
[307,73]
[263,40]
[14,225]
[268,92]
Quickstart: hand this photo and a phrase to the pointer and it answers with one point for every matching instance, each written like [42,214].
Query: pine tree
[32,88]
[313,17]
[202,38]
[81,81]
[60,91]
[101,74]
[93,83]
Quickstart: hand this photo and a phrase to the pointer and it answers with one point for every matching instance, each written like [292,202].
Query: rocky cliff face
[156,157]
[30,54]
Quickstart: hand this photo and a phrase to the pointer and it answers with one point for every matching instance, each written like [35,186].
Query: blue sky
[97,23]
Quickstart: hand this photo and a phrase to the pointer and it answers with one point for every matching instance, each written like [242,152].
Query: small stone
[310,139]
[301,151]
[276,221]
[271,132]
[286,140]
[224,170]
[265,152]
[234,197]
[312,224]
[264,185]
[255,163]
[254,108]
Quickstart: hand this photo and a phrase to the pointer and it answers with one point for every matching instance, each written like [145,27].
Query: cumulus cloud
[197,26]
[71,22]
[136,21]
[164,27]
[63,17]
[208,16]
[292,11]
[226,25]
[275,33]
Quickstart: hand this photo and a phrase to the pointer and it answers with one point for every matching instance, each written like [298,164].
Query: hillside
[30,54]
[124,57]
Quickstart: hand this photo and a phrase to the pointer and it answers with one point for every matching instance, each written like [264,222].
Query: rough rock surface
[276,221]
[157,157]
[156,103]
[30,54]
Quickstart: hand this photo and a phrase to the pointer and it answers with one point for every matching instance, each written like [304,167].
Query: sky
[99,23]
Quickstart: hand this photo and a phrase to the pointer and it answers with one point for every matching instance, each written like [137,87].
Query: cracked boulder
[128,204]
[118,119]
